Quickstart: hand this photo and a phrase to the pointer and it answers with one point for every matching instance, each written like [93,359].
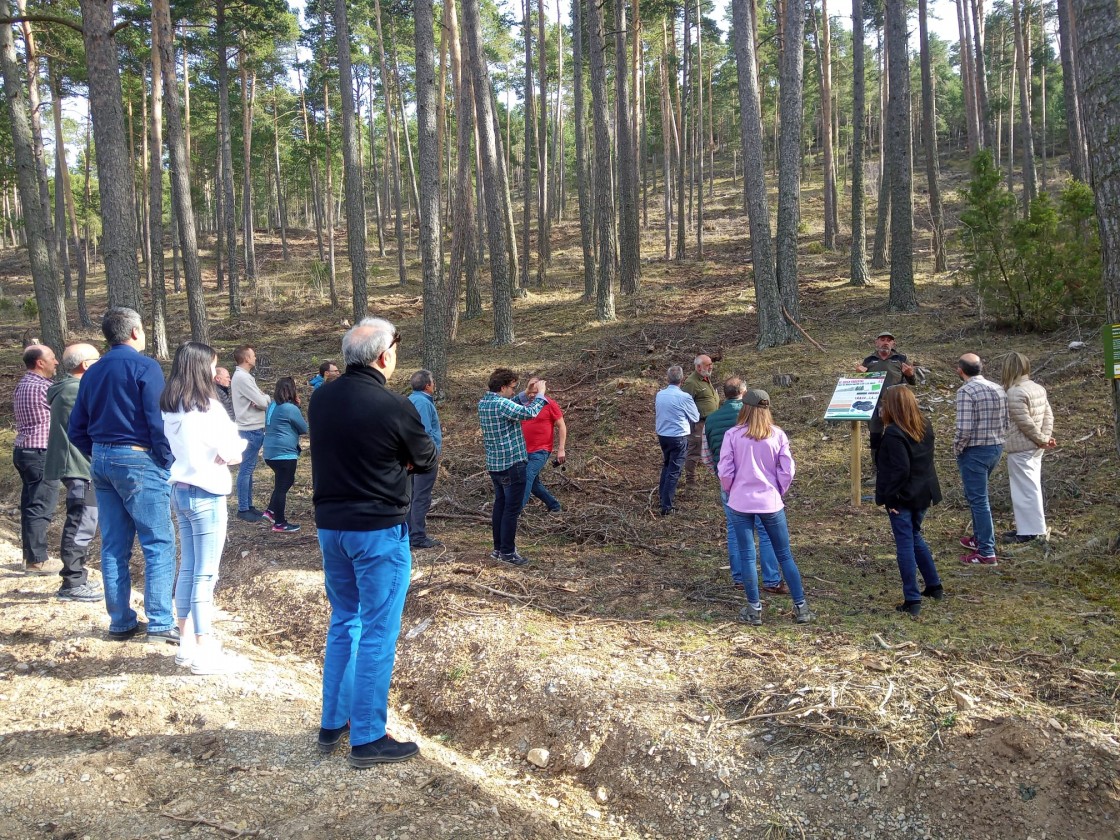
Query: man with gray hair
[699,386]
[674,413]
[117,424]
[366,444]
[423,387]
[66,464]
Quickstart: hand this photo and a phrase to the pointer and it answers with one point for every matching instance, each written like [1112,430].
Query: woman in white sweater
[1032,429]
[204,442]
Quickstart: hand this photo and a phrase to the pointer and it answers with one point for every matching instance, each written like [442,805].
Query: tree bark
[34,103]
[352,166]
[248,98]
[390,141]
[488,151]
[859,273]
[630,256]
[52,312]
[530,120]
[229,222]
[1026,129]
[1098,39]
[1078,158]
[604,205]
[281,201]
[983,107]
[63,195]
[883,206]
[903,297]
[544,212]
[789,160]
[929,140]
[585,214]
[462,232]
[118,224]
[972,123]
[155,206]
[831,214]
[772,329]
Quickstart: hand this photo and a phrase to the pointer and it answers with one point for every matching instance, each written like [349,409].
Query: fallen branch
[801,329]
[228,829]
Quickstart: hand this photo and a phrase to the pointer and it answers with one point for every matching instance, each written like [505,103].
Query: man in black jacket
[366,441]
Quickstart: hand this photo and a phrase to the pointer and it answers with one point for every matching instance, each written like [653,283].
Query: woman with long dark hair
[906,484]
[204,442]
[755,470]
[284,424]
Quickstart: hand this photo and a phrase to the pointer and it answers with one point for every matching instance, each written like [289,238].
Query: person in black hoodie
[366,442]
[906,484]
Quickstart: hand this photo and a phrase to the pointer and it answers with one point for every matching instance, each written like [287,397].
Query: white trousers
[1025,471]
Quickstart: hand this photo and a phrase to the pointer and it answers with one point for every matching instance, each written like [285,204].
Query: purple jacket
[755,473]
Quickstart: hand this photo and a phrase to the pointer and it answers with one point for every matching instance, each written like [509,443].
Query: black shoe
[250,515]
[935,592]
[169,636]
[382,751]
[427,542]
[557,509]
[329,738]
[911,608]
[514,559]
[1013,538]
[666,511]
[124,635]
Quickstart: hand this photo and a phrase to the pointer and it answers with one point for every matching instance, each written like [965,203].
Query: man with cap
[898,370]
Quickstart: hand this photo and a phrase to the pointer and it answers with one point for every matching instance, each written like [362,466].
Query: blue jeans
[913,553]
[976,464]
[255,440]
[202,520]
[366,574]
[771,574]
[533,484]
[422,486]
[775,526]
[509,498]
[134,500]
[673,453]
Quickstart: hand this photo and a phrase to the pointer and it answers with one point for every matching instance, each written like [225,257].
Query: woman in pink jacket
[755,470]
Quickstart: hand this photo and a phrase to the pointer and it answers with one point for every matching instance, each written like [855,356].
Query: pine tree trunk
[582,175]
[462,231]
[159,347]
[491,173]
[981,72]
[859,273]
[699,147]
[544,211]
[352,166]
[229,223]
[328,197]
[530,120]
[682,151]
[971,120]
[630,257]
[281,201]
[114,175]
[789,160]
[666,155]
[314,175]
[1077,153]
[34,103]
[929,140]
[831,214]
[61,178]
[772,330]
[1026,130]
[883,207]
[375,182]
[248,98]
[391,150]
[52,312]
[1098,39]
[604,206]
[903,297]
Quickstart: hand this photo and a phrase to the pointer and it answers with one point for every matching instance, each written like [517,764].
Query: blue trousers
[976,464]
[771,574]
[778,531]
[366,575]
[912,552]
[533,484]
[134,501]
[509,497]
[203,518]
[673,453]
[255,440]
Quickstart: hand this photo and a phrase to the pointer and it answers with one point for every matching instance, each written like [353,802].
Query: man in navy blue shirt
[116,423]
[423,386]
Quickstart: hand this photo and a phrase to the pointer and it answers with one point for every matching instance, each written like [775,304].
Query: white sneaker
[217,661]
[188,647]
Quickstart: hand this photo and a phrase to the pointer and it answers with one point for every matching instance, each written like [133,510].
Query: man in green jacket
[65,463]
[699,386]
[719,422]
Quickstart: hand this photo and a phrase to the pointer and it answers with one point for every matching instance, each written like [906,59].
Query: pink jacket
[755,473]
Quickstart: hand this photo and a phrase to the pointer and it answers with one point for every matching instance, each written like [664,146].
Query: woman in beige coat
[1032,428]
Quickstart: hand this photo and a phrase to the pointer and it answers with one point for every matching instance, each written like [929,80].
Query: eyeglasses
[396,338]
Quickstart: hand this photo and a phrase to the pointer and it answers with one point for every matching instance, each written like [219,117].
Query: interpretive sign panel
[1111,336]
[855,396]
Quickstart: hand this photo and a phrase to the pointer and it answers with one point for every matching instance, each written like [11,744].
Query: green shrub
[30,309]
[1037,271]
[6,305]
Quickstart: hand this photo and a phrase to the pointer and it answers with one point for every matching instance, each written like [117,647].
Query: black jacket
[364,438]
[905,474]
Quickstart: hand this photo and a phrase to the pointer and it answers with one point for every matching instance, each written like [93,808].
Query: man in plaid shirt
[982,426]
[33,427]
[500,419]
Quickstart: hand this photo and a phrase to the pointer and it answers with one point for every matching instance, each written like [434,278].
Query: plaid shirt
[33,413]
[981,415]
[500,420]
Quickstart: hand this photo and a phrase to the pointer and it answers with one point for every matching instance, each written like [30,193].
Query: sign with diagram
[855,396]
[1111,336]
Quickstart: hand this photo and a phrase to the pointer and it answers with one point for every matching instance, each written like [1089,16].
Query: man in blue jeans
[982,426]
[674,413]
[499,418]
[116,422]
[541,433]
[366,443]
[249,406]
[423,387]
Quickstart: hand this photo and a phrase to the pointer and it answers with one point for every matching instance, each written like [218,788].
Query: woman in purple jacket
[755,470]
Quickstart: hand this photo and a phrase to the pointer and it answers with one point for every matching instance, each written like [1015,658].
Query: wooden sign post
[857,453]
[854,399]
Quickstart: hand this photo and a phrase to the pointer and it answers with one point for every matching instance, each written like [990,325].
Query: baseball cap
[885,334]
[756,396]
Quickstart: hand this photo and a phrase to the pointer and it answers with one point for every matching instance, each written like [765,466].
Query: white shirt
[197,438]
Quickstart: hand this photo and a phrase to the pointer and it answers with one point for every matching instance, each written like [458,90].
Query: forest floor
[617,649]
